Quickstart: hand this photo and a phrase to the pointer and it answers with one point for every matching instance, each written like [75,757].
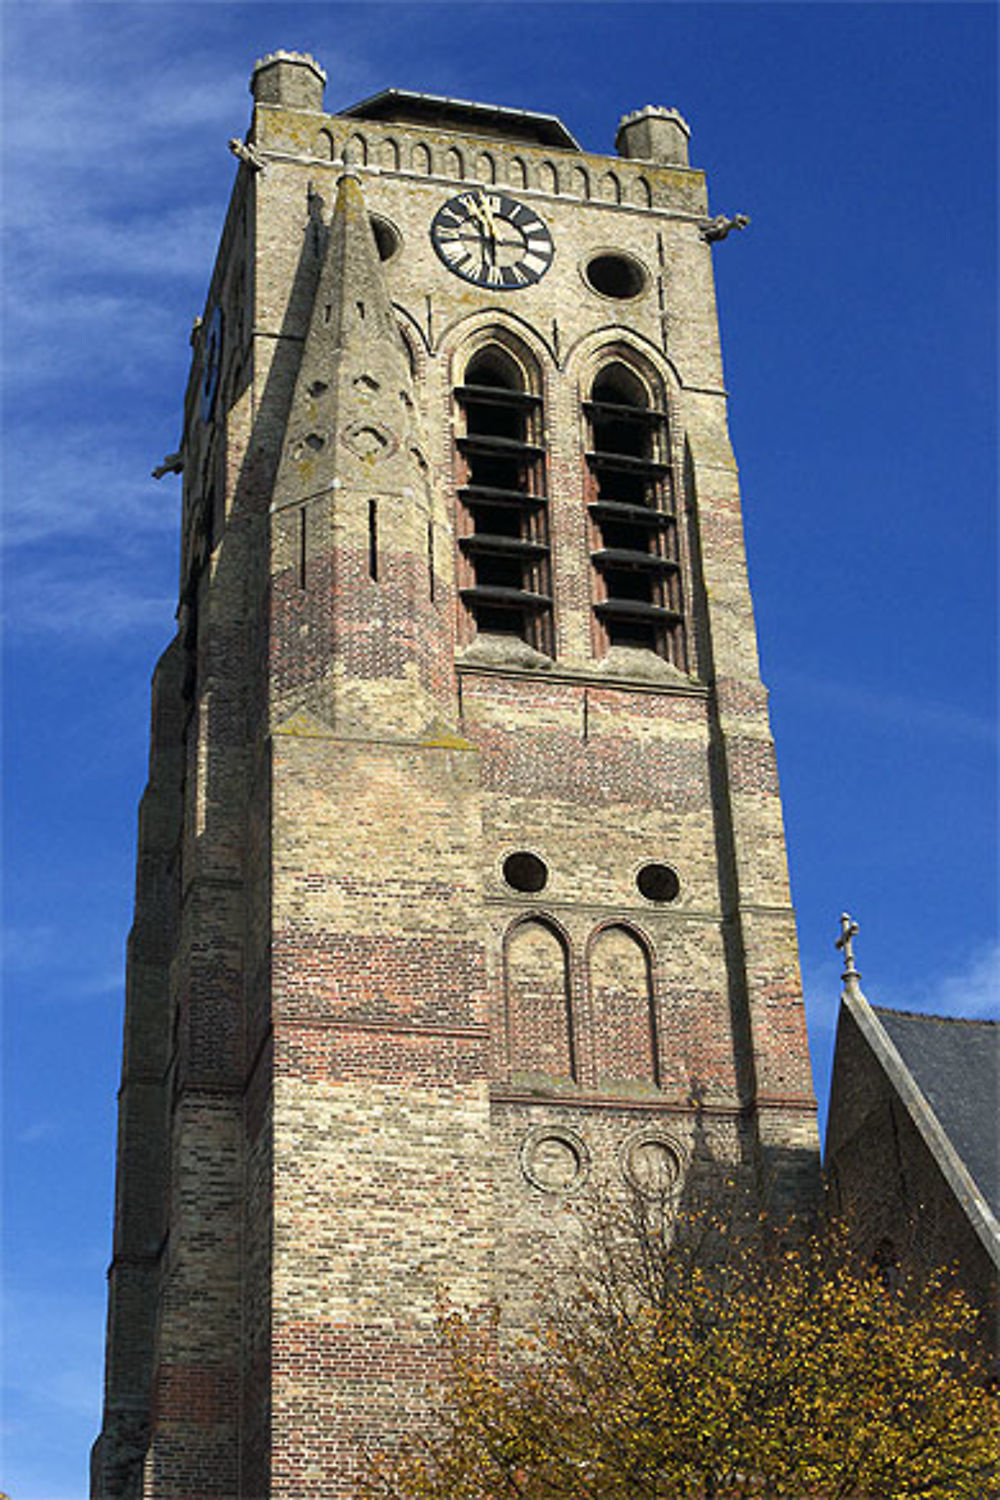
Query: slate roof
[956,1065]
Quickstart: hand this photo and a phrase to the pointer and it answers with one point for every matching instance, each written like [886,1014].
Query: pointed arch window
[503,532]
[638,594]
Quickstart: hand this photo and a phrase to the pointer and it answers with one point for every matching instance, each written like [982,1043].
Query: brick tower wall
[391,1074]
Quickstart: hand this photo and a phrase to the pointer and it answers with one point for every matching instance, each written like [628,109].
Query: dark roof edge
[549,130]
[925,1015]
[951,1165]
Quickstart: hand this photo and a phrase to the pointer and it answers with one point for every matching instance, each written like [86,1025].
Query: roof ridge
[926,1015]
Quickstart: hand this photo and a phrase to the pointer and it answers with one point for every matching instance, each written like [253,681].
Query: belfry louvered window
[503,519]
[638,597]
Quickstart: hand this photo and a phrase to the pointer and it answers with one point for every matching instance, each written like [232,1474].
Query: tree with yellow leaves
[698,1361]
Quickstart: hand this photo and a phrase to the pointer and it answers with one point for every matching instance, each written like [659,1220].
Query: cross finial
[848,932]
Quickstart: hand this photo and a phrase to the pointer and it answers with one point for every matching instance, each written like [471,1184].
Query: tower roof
[400,106]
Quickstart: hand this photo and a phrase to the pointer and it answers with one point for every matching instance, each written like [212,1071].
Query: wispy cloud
[140,118]
[114,195]
[95,477]
[41,968]
[821,983]
[164,83]
[27,948]
[107,303]
[58,1361]
[98,606]
[895,710]
[972,989]
[176,245]
[94,986]
[37,1132]
[91,538]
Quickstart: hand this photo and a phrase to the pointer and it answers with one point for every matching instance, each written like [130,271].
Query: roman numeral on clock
[492,240]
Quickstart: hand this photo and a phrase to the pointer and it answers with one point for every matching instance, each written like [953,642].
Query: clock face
[492,240]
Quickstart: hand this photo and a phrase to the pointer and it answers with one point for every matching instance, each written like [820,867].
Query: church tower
[461,881]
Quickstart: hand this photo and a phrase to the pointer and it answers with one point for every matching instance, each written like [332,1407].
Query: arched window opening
[539,1004]
[356,151]
[624,1018]
[634,539]
[642,193]
[503,520]
[548,181]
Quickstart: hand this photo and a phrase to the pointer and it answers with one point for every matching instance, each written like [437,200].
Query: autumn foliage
[700,1361]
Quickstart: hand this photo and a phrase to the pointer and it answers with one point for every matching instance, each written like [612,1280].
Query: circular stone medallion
[651,1162]
[554,1159]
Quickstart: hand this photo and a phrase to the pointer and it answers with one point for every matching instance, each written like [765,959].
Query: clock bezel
[539,243]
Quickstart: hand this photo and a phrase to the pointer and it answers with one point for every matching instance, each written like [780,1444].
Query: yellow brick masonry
[362,1070]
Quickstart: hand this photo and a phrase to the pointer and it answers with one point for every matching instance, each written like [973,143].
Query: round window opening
[658,883]
[617,276]
[525,872]
[387,237]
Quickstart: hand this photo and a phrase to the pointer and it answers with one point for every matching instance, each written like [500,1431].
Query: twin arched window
[618,1029]
[505,581]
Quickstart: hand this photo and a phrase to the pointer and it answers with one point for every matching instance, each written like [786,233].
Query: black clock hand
[492,240]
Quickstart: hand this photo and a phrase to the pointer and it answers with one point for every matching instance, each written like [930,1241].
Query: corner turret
[654,133]
[291,79]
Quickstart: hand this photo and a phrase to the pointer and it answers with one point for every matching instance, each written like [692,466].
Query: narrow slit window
[373,540]
[505,583]
[638,597]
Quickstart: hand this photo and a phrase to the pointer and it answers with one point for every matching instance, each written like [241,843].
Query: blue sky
[859,327]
